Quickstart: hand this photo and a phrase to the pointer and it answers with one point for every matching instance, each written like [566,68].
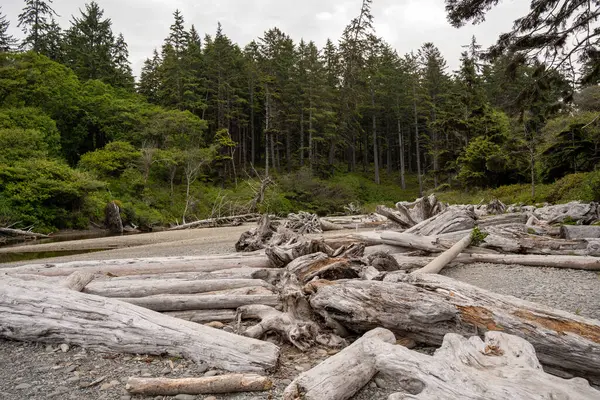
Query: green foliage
[112,160]
[477,236]
[483,163]
[33,118]
[20,144]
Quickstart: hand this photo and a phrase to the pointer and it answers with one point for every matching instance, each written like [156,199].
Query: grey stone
[212,372]
[71,368]
[185,397]
[23,386]
[125,398]
[64,347]
[74,379]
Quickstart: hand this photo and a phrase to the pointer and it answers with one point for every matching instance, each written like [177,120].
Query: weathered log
[446,257]
[303,223]
[78,280]
[257,237]
[282,255]
[500,367]
[451,220]
[204,316]
[425,307]
[218,221]
[164,302]
[61,315]
[527,260]
[330,226]
[579,231]
[266,274]
[300,333]
[339,377]
[432,244]
[503,219]
[402,219]
[146,265]
[20,232]
[582,213]
[233,383]
[145,287]
[495,207]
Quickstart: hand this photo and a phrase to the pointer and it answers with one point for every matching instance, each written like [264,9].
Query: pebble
[380,383]
[210,398]
[166,371]
[146,375]
[212,372]
[61,390]
[109,385]
[49,348]
[23,386]
[228,329]
[74,379]
[64,347]
[185,397]
[71,368]
[407,342]
[125,398]
[373,385]
[286,381]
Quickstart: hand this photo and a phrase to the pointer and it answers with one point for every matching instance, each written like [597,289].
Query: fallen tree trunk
[432,244]
[145,266]
[446,257]
[402,219]
[425,307]
[143,288]
[66,316]
[19,232]
[234,383]
[451,220]
[502,367]
[212,222]
[339,377]
[330,226]
[164,302]
[204,316]
[579,231]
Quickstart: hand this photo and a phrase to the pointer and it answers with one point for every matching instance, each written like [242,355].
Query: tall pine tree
[7,42]
[34,22]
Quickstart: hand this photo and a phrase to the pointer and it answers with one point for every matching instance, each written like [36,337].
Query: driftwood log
[502,366]
[425,307]
[22,233]
[61,315]
[233,383]
[218,221]
[579,231]
[166,302]
[163,265]
[112,218]
[204,316]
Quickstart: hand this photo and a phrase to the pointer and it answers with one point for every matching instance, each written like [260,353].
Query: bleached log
[503,219]
[583,213]
[20,232]
[211,222]
[451,220]
[146,266]
[257,237]
[404,220]
[339,377]
[579,231]
[145,287]
[36,311]
[425,307]
[233,383]
[330,226]
[78,280]
[432,244]
[266,274]
[446,257]
[204,316]
[496,207]
[165,302]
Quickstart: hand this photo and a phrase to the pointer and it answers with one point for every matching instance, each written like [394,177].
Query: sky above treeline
[405,24]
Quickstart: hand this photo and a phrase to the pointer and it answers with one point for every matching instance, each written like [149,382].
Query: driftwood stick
[209,222]
[19,232]
[78,280]
[446,257]
[233,383]
[66,316]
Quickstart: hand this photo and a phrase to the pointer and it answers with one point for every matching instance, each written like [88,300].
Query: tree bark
[204,316]
[66,316]
[233,383]
[425,307]
[417,144]
[375,149]
[78,280]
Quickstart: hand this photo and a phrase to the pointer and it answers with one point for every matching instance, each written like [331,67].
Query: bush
[111,161]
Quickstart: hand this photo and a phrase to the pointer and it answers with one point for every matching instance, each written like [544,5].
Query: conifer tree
[123,76]
[149,83]
[34,22]
[7,42]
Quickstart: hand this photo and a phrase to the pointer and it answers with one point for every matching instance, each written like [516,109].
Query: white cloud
[405,24]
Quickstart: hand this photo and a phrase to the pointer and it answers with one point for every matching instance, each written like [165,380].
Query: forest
[208,121]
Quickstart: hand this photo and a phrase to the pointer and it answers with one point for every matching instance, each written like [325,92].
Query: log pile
[359,293]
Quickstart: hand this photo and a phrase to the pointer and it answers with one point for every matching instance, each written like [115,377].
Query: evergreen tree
[173,68]
[7,42]
[89,44]
[52,45]
[34,22]
[123,76]
[149,83]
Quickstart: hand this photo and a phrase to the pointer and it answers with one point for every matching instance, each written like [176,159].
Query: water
[14,257]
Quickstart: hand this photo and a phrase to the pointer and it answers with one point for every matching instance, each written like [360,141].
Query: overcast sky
[405,24]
